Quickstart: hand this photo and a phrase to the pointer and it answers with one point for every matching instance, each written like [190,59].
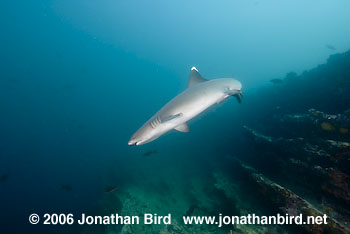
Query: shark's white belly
[188,105]
[196,106]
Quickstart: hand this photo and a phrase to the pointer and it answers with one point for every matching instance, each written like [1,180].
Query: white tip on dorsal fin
[195,77]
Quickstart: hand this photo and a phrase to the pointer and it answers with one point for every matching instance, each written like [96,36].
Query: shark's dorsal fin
[183,128]
[195,77]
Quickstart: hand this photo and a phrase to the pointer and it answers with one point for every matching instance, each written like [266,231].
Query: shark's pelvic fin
[183,128]
[170,117]
[195,77]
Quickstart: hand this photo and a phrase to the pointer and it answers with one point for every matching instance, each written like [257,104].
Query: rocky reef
[312,164]
[316,123]
[299,145]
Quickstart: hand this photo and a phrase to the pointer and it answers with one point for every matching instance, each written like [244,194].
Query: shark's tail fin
[239,97]
[236,93]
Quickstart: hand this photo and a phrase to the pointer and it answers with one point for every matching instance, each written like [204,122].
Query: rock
[317,124]
[317,151]
[288,202]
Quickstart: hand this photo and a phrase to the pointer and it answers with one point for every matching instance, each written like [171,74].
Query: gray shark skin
[199,96]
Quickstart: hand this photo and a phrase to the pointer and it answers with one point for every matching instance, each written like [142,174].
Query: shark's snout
[135,141]
[132,141]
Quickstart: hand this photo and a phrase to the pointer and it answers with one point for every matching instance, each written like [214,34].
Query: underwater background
[78,78]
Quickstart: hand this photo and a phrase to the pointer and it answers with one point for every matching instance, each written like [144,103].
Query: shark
[200,95]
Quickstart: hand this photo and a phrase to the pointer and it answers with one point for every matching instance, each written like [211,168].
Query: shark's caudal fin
[195,77]
[239,97]
[235,93]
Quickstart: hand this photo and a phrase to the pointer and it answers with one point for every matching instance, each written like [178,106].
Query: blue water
[78,78]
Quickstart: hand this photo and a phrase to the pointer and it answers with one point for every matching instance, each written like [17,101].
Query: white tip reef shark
[199,96]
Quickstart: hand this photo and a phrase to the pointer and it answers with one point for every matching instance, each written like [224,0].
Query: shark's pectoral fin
[183,128]
[195,77]
[170,117]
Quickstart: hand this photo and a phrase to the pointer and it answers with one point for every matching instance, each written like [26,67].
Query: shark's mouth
[140,142]
[133,142]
